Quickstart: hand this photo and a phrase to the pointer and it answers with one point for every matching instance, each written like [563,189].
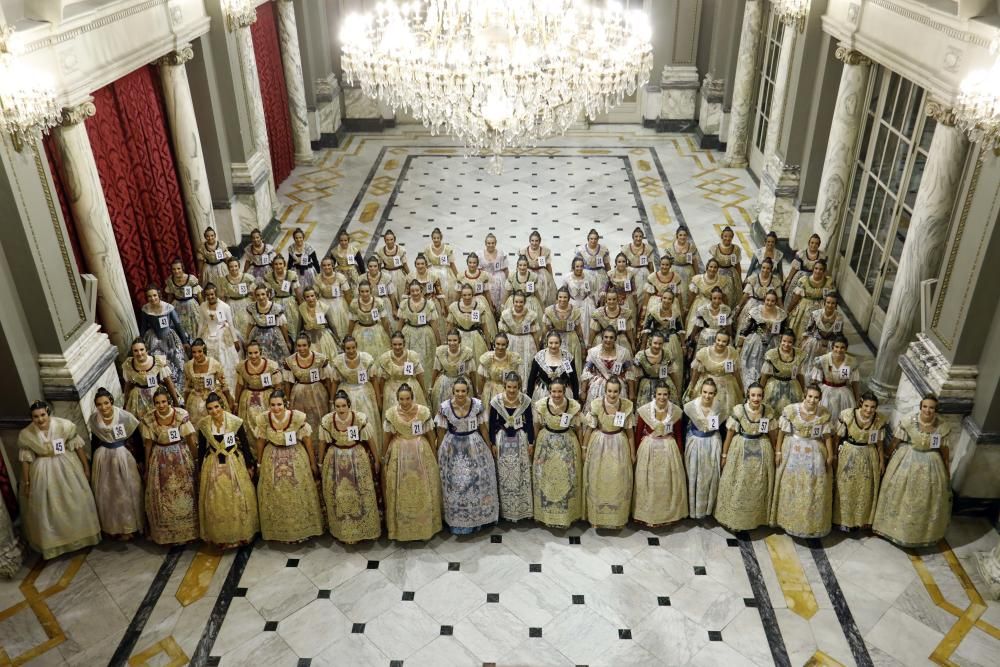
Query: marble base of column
[291,61]
[779,186]
[251,197]
[679,98]
[738,137]
[710,112]
[362,113]
[255,101]
[328,113]
[988,563]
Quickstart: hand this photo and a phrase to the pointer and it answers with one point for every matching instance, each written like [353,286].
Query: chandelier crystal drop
[27,97]
[239,13]
[498,74]
[793,12]
[977,109]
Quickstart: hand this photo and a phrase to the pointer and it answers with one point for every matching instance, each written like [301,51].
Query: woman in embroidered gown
[284,286]
[441,260]
[162,333]
[641,258]
[621,278]
[540,261]
[860,441]
[334,291]
[663,318]
[512,433]
[566,321]
[451,362]
[222,339]
[258,256]
[347,256]
[494,366]
[615,316]
[605,361]
[653,367]
[686,261]
[236,289]
[227,500]
[663,280]
[268,325]
[803,262]
[430,288]
[115,440]
[525,281]
[212,256]
[171,447]
[382,288]
[58,507]
[143,374]
[411,479]
[759,335]
[476,278]
[183,291]
[353,372]
[709,319]
[286,490]
[370,321]
[837,372]
[396,367]
[768,251]
[393,258]
[825,324]
[203,375]
[700,289]
[256,378]
[302,259]
[914,502]
[557,466]
[317,324]
[494,262]
[520,324]
[349,473]
[704,418]
[807,296]
[721,363]
[581,298]
[307,382]
[660,482]
[551,363]
[418,317]
[747,481]
[467,317]
[754,292]
[782,374]
[609,458]
[596,262]
[468,470]
[803,486]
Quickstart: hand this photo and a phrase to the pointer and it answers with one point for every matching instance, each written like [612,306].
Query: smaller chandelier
[239,13]
[27,97]
[977,109]
[792,12]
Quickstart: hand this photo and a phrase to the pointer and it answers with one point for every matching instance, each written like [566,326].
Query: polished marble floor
[518,594]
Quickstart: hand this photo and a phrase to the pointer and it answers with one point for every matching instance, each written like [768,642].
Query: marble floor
[518,594]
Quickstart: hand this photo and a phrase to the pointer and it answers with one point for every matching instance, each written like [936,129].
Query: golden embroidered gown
[283,293]
[566,324]
[811,298]
[256,394]
[595,267]
[200,384]
[266,330]
[540,264]
[449,368]
[700,289]
[394,375]
[227,500]
[171,509]
[417,328]
[286,492]
[332,292]
[370,330]
[143,384]
[348,478]
[59,514]
[660,484]
[492,371]
[309,392]
[598,369]
[470,327]
[755,292]
[582,300]
[439,264]
[495,268]
[747,481]
[528,284]
[184,298]
[655,287]
[783,387]
[728,265]
[356,381]
[836,381]
[557,470]
[622,321]
[819,335]
[521,334]
[686,265]
[626,283]
[855,493]
[710,322]
[220,336]
[729,391]
[213,262]
[114,473]
[238,295]
[803,487]
[608,476]
[345,261]
[651,373]
[641,261]
[410,477]
[397,266]
[317,324]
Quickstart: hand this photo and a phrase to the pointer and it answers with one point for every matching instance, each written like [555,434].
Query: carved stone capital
[177,58]
[713,90]
[940,112]
[77,114]
[849,56]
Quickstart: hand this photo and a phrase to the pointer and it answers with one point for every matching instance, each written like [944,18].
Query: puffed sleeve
[732,424]
[304,431]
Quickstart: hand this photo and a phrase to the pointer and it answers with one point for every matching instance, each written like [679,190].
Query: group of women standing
[288,395]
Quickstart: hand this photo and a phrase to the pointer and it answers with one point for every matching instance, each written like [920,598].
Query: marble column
[93,225]
[186,141]
[291,60]
[679,98]
[989,570]
[710,113]
[737,142]
[848,114]
[255,102]
[925,244]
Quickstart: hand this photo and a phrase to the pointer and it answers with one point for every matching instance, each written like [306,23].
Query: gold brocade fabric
[411,480]
[449,368]
[660,483]
[747,482]
[114,475]
[254,398]
[283,293]
[420,338]
[566,326]
[349,482]
[170,486]
[361,393]
[607,469]
[286,493]
[139,399]
[493,371]
[812,298]
[309,393]
[557,471]
[200,384]
[470,331]
[394,376]
[803,495]
[778,392]
[320,337]
[227,500]
[729,391]
[858,473]
[521,335]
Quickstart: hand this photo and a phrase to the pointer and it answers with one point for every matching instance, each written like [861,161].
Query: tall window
[770,52]
[892,154]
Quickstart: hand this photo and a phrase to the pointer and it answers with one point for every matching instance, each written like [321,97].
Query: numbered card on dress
[320,317]
[187,292]
[542,261]
[164,321]
[286,285]
[209,381]
[375,314]
[335,292]
[270,320]
[118,432]
[417,428]
[722,319]
[265,380]
[621,324]
[628,285]
[229,439]
[479,288]
[564,420]
[58,446]
[873,437]
[151,380]
[460,369]
[713,422]
[313,375]
[816,431]
[619,419]
[519,421]
[429,288]
[421,319]
[443,260]
[353,433]
[763,425]
[525,328]
[474,316]
[688,257]
[242,289]
[471,423]
[381,290]
[729,366]
[935,441]
[616,368]
[569,326]
[408,368]
[173,434]
[529,287]
[775,327]
[844,372]
[567,366]
[396,261]
[664,371]
[643,260]
[496,266]
[362,376]
[291,438]
[219,254]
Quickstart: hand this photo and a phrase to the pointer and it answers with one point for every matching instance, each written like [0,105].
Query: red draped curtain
[273,92]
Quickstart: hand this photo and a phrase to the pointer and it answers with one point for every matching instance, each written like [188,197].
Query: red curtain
[131,143]
[273,92]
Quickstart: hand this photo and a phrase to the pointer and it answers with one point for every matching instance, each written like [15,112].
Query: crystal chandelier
[977,109]
[792,12]
[498,74]
[239,13]
[27,98]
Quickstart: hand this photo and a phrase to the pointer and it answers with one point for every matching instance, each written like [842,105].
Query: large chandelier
[498,74]
[27,98]
[793,12]
[977,109]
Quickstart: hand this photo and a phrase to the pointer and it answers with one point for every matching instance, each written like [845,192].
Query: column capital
[939,111]
[78,113]
[239,13]
[177,58]
[849,56]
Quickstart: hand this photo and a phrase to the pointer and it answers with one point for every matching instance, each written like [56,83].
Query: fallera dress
[495,268]
[599,369]
[660,482]
[266,330]
[621,321]
[220,335]
[521,332]
[417,326]
[227,500]
[543,374]
[855,494]
[202,383]
[394,375]
[332,292]
[469,322]
[512,430]
[449,368]
[819,335]
[369,330]
[802,264]
[355,378]
[595,267]
[566,324]
[528,284]
[260,262]
[468,471]
[349,482]
[747,482]
[582,300]
[642,261]
[777,258]
[396,265]
[309,393]
[286,492]
[410,477]
[143,383]
[283,290]
[729,391]
[728,265]
[836,380]
[755,291]
[238,295]
[557,471]
[257,389]
[669,326]
[625,282]
[492,370]
[656,287]
[702,454]
[783,387]
[540,264]
[317,324]
[439,263]
[650,373]
[803,487]
[114,475]
[184,298]
[164,336]
[305,263]
[710,322]
[171,510]
[761,333]
[687,264]
[214,262]
[700,293]
[608,476]
[812,298]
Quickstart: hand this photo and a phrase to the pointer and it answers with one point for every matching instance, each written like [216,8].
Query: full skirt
[11,553]
[312,399]
[412,487]
[117,491]
[468,483]
[349,494]
[227,502]
[170,495]
[514,474]
[914,502]
[660,486]
[746,484]
[803,490]
[701,458]
[373,340]
[856,492]
[778,394]
[422,341]
[60,515]
[608,480]
[557,475]
[287,495]
[526,347]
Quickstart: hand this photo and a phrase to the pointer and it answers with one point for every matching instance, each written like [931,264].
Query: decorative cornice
[849,56]
[943,114]
[79,113]
[177,58]
[944,28]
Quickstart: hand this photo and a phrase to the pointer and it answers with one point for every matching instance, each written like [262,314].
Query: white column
[291,60]
[925,245]
[743,89]
[251,90]
[93,225]
[847,118]
[989,570]
[186,141]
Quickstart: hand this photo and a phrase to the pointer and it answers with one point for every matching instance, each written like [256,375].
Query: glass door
[770,52]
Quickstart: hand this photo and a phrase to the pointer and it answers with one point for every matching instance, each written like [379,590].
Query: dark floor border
[767,618]
[221,608]
[854,639]
[138,623]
